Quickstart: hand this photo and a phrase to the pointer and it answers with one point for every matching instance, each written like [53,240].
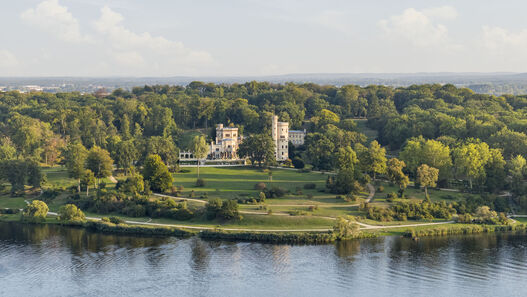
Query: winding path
[363,225]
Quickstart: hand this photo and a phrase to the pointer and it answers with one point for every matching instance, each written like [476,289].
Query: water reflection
[60,261]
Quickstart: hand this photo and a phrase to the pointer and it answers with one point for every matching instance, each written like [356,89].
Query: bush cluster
[133,205]
[403,211]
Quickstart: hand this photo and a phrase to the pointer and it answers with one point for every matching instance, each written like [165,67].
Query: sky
[259,37]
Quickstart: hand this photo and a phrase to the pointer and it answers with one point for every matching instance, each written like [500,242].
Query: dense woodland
[466,140]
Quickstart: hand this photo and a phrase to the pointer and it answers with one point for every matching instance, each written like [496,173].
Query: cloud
[497,38]
[419,27]
[138,48]
[7,59]
[55,19]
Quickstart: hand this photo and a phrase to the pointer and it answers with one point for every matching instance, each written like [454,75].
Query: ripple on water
[115,266]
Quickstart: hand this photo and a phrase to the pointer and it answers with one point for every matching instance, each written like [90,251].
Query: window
[227,135]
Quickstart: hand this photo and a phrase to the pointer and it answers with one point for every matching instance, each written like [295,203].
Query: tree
[298,163]
[162,146]
[157,174]
[7,149]
[346,182]
[396,175]
[35,177]
[75,155]
[199,148]
[28,134]
[20,173]
[133,184]
[495,171]
[418,151]
[470,160]
[212,208]
[346,227]
[51,149]
[427,177]
[325,117]
[36,211]
[320,150]
[125,154]
[346,159]
[70,213]
[87,179]
[99,162]
[376,162]
[15,172]
[258,148]
[517,167]
[229,210]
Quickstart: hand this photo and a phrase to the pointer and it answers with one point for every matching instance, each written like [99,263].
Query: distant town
[487,83]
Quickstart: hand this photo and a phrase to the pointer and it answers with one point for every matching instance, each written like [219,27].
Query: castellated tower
[280,136]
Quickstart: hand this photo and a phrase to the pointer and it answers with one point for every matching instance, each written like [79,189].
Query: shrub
[200,182]
[298,191]
[35,212]
[298,163]
[380,189]
[226,210]
[390,197]
[297,213]
[261,197]
[310,186]
[50,194]
[182,214]
[116,220]
[9,210]
[70,213]
[351,198]
[275,192]
[312,207]
[229,211]
[260,186]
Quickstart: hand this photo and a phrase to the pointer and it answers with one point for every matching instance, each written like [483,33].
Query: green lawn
[11,202]
[234,182]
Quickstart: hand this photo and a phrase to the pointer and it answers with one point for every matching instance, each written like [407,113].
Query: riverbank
[275,236]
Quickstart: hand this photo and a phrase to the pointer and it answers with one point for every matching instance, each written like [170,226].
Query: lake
[49,260]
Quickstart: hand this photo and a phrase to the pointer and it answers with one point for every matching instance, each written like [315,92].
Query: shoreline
[274,236]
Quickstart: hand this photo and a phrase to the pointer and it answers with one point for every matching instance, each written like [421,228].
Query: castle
[226,144]
[227,141]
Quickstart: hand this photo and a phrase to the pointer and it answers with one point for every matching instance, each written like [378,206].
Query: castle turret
[280,135]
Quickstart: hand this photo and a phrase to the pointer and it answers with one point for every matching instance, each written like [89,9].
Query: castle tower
[280,134]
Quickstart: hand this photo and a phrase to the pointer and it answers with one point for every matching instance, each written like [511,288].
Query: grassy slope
[231,182]
[235,182]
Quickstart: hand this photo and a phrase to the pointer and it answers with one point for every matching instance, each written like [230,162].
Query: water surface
[47,260]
